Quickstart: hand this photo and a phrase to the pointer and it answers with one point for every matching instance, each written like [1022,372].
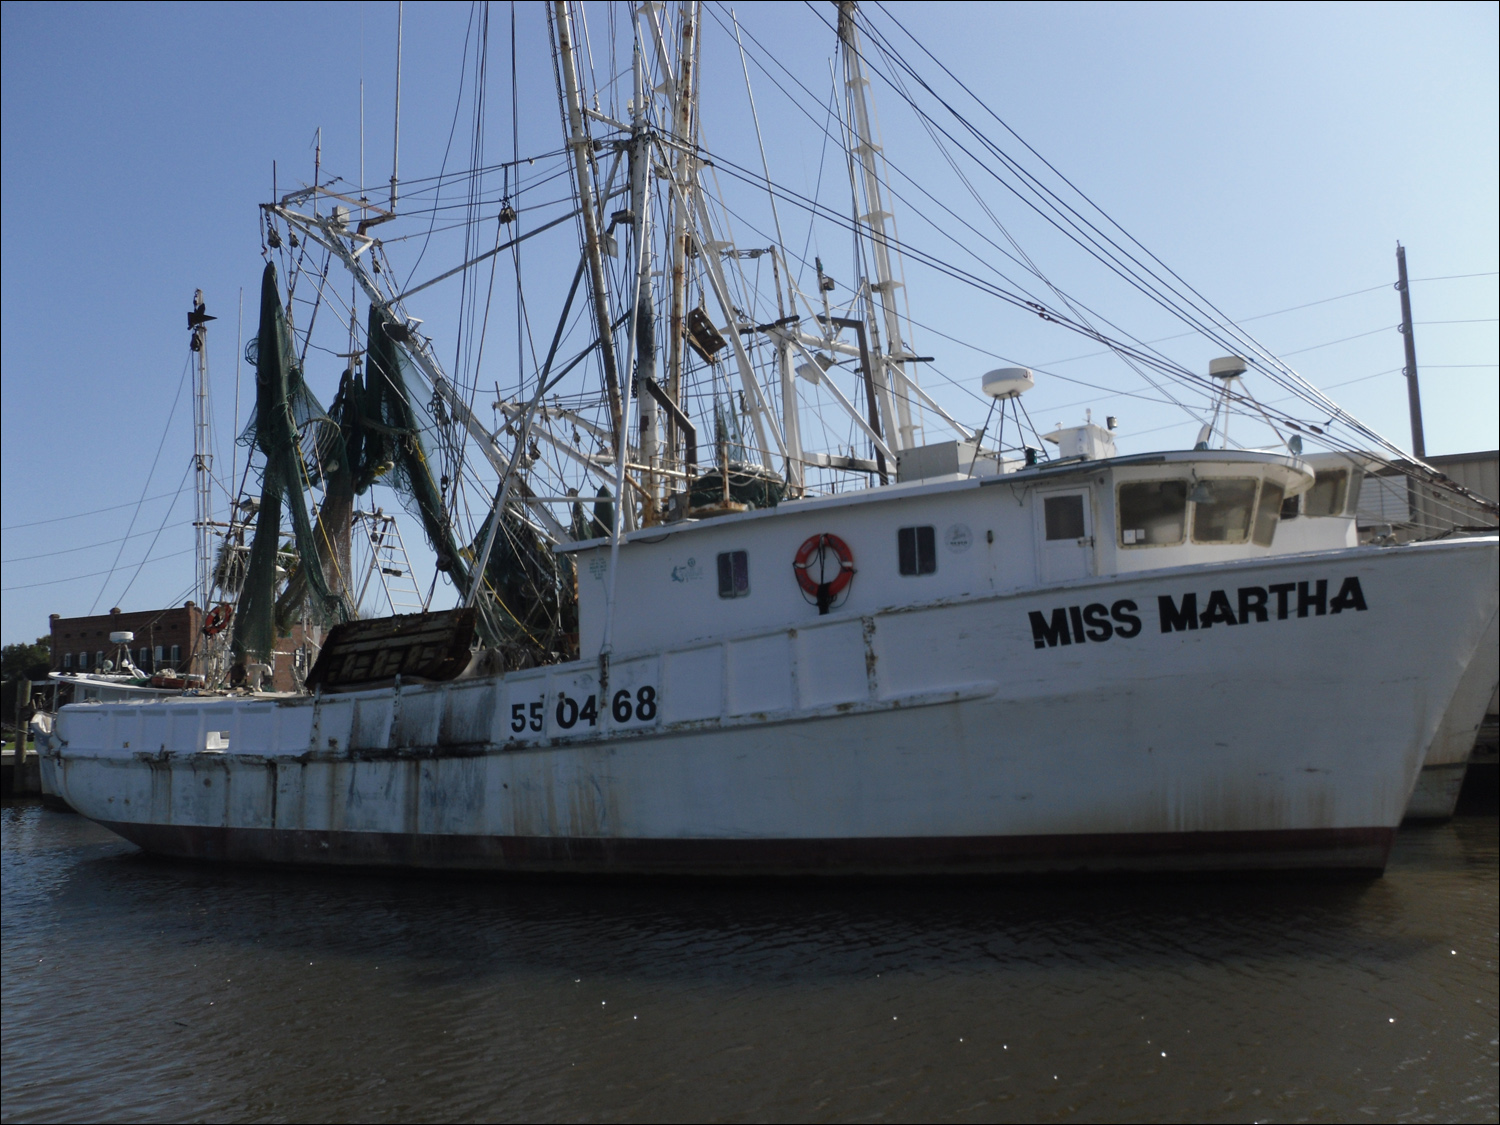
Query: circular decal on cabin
[959,538]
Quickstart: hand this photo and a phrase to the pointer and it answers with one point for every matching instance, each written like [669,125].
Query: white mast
[684,121]
[582,147]
[203,459]
[645,312]
[894,402]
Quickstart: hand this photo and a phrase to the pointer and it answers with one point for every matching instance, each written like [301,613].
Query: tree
[27,662]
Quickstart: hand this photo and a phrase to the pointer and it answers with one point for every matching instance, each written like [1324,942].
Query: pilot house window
[734,574]
[916,549]
[1152,513]
[1267,514]
[1222,510]
[1328,494]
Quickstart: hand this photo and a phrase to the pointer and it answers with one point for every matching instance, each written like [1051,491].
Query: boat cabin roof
[1294,475]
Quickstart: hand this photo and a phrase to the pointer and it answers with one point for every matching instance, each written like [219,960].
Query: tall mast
[894,402]
[582,146]
[683,127]
[396,139]
[645,312]
[203,459]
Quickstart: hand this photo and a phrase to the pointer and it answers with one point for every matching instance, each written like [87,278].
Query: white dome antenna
[1227,367]
[1008,382]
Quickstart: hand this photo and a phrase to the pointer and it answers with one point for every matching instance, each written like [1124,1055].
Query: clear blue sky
[1271,154]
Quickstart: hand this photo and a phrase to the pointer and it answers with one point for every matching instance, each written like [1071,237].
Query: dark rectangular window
[1064,516]
[916,549]
[734,574]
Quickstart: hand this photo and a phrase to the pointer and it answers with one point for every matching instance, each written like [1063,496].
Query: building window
[176,655]
[98,661]
[916,548]
[734,574]
[67,661]
[145,659]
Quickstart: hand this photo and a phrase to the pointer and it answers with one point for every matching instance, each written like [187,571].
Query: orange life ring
[217,619]
[821,586]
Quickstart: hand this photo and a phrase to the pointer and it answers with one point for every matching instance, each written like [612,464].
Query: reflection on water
[136,989]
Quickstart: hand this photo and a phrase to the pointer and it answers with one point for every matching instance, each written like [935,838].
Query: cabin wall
[991,537]
[668,591]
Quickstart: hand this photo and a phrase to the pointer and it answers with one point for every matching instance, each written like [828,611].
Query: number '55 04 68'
[624,706]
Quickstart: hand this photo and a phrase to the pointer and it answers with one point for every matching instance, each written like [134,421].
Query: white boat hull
[959,737]
[1436,793]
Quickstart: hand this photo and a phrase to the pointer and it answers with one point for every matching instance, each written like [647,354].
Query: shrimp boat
[889,655]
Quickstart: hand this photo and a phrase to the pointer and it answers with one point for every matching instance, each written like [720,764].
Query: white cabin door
[1064,535]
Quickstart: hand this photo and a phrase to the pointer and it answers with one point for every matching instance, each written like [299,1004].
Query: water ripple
[135,989]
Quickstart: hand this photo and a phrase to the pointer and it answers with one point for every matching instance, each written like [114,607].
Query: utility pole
[1413,391]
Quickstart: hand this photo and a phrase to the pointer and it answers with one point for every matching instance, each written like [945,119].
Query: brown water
[135,989]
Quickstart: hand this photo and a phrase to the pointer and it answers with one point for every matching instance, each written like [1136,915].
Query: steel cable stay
[1166,366]
[1224,320]
[1279,372]
[1298,384]
[835,216]
[1113,264]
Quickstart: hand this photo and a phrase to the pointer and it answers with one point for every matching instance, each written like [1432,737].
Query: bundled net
[301,446]
[529,597]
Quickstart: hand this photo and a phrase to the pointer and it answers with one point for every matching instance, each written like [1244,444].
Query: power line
[166,429]
[86,546]
[1343,339]
[93,574]
[95,512]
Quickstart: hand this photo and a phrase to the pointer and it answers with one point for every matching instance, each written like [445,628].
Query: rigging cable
[166,429]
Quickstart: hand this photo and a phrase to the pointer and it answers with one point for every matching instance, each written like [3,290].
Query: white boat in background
[977,661]
[1324,518]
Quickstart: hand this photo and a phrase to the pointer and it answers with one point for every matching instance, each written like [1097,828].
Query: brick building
[164,638]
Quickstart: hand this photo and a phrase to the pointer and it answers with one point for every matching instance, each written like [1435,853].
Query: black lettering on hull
[1097,623]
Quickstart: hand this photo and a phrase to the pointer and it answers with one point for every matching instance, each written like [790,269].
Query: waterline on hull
[1345,849]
